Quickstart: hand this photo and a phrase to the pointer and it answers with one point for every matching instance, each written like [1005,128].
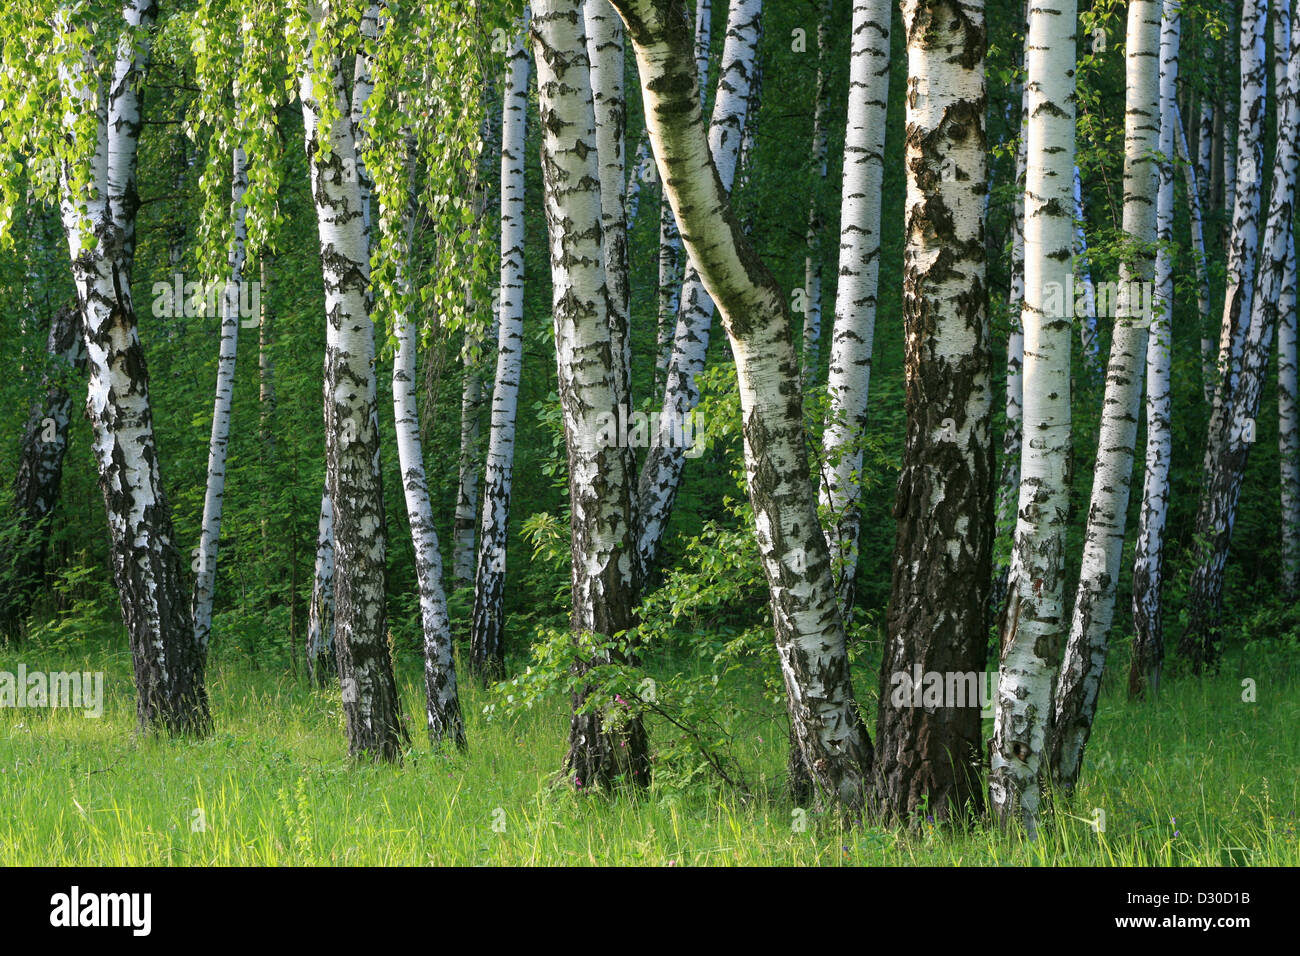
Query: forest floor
[1197,777]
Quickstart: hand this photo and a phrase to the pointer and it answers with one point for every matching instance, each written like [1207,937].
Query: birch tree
[756,315]
[849,377]
[92,79]
[812,315]
[1197,641]
[1094,603]
[661,471]
[606,748]
[487,629]
[1148,638]
[938,608]
[214,497]
[40,473]
[1033,631]
[371,707]
[1224,478]
[1195,213]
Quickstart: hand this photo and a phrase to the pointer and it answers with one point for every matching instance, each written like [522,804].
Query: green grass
[272,786]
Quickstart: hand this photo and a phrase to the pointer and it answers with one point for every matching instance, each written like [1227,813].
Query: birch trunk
[1088,321]
[99,222]
[607,745]
[855,303]
[1034,624]
[665,459]
[442,702]
[1198,641]
[40,472]
[938,609]
[322,662]
[1009,476]
[809,630]
[605,50]
[1094,604]
[371,707]
[1195,189]
[812,316]
[1288,432]
[1148,626]
[487,630]
[205,581]
[472,401]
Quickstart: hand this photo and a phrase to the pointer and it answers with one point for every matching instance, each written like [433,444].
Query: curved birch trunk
[665,459]
[1094,604]
[487,629]
[1034,626]
[1198,642]
[40,472]
[99,222]
[809,630]
[205,581]
[1148,626]
[607,746]
[840,489]
[371,706]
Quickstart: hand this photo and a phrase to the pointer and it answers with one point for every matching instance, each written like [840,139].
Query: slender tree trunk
[442,702]
[487,631]
[812,316]
[1148,626]
[1088,324]
[371,707]
[666,458]
[607,745]
[205,581]
[1035,620]
[1222,488]
[472,401]
[322,662]
[809,629]
[1094,604]
[605,50]
[1195,188]
[1288,432]
[40,472]
[855,302]
[99,220]
[1198,642]
[1009,476]
[937,619]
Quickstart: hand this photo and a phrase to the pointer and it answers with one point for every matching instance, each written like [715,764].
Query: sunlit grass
[1197,777]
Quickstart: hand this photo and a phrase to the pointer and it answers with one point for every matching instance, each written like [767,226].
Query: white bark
[1035,618]
[1094,604]
[99,222]
[372,710]
[849,378]
[604,578]
[1148,642]
[210,536]
[1288,438]
[809,630]
[1088,321]
[1195,194]
[488,626]
[662,469]
[812,316]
